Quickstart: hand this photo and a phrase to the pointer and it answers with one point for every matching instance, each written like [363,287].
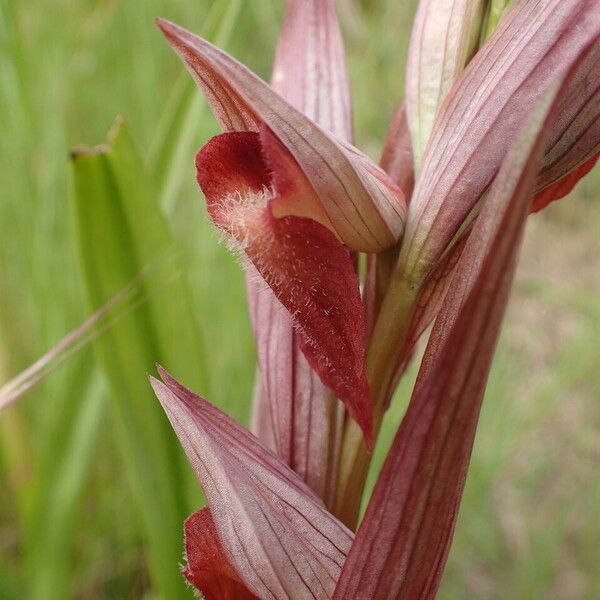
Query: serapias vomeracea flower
[502,116]
[295,199]
[275,535]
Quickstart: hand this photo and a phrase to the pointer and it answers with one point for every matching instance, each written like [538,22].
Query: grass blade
[121,233]
[63,473]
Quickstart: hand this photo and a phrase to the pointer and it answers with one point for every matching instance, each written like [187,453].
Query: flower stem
[383,355]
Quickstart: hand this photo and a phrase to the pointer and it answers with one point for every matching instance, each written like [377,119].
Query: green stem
[386,346]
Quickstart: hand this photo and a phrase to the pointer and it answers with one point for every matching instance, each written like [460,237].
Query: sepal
[274,531]
[366,209]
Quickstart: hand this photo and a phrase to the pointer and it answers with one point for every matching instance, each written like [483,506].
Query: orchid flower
[502,117]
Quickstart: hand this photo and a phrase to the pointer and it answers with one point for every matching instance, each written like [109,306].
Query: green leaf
[123,237]
[64,471]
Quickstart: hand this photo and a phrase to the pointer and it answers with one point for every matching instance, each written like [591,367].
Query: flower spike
[320,193]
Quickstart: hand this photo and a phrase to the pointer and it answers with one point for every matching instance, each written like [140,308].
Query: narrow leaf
[74,341]
[120,234]
[274,531]
[402,544]
[62,477]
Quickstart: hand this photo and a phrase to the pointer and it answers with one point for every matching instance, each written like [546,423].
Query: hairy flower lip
[288,191]
[305,265]
[208,569]
[367,209]
[294,412]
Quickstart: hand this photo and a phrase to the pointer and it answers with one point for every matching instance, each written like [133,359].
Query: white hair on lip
[240,217]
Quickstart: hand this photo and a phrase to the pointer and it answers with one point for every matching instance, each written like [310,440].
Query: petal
[237,167]
[444,37]
[573,149]
[397,157]
[563,186]
[295,196]
[408,526]
[274,531]
[303,413]
[308,269]
[306,420]
[313,276]
[208,568]
[310,69]
[534,44]
[366,208]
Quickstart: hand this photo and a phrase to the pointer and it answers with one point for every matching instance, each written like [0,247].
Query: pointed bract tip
[168,379]
[162,392]
[157,385]
[162,24]
[170,30]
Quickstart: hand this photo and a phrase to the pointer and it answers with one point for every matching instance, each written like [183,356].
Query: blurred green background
[93,487]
